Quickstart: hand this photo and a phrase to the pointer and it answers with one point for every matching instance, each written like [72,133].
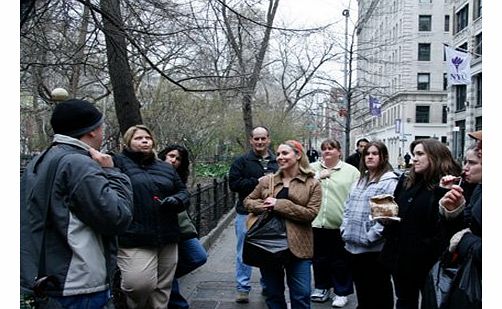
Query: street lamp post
[346,14]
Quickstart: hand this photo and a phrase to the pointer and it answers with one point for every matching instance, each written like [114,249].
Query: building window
[477,9]
[479,123]
[459,139]
[444,115]
[424,23]
[424,1]
[424,52]
[445,81]
[447,23]
[423,81]
[461,96]
[478,47]
[478,81]
[462,18]
[422,114]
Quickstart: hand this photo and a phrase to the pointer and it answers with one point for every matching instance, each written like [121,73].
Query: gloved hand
[169,201]
[455,239]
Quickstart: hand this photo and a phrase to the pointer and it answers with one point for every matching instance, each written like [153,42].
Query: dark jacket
[244,174]
[154,225]
[470,218]
[412,245]
[88,206]
[354,159]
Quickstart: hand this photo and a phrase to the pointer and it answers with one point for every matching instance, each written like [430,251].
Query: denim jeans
[85,301]
[242,271]
[191,255]
[298,275]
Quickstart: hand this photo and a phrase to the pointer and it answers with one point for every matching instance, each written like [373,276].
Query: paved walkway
[212,286]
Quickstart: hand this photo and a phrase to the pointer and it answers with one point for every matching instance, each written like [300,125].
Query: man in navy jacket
[244,174]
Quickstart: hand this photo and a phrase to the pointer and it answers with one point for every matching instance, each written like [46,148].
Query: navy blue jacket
[244,174]
[153,225]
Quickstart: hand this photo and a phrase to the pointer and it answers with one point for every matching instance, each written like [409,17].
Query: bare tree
[127,105]
[252,58]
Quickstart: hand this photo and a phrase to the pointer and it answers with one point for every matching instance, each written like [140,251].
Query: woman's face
[372,158]
[329,152]
[420,159]
[173,157]
[141,142]
[286,157]
[472,167]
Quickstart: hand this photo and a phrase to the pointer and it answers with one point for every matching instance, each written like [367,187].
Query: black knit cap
[75,118]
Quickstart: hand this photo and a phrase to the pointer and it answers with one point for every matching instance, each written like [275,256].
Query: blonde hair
[303,163]
[127,138]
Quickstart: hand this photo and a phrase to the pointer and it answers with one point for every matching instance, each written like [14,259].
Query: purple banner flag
[459,66]
[375,106]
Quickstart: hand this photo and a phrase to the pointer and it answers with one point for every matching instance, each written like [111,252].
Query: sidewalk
[212,286]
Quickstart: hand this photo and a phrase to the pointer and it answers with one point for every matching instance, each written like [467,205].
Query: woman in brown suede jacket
[296,197]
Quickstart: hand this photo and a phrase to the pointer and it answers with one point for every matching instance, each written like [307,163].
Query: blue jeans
[298,280]
[85,301]
[242,271]
[191,255]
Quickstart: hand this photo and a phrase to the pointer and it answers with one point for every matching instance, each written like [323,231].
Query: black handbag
[266,242]
[465,293]
[439,282]
[453,284]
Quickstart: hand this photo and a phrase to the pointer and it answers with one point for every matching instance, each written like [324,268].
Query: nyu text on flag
[459,66]
[375,106]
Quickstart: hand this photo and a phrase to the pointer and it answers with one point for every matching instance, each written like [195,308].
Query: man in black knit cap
[73,203]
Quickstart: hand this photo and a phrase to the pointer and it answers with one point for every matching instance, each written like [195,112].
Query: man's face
[97,136]
[361,146]
[260,141]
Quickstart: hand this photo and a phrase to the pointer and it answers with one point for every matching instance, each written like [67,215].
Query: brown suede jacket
[299,210]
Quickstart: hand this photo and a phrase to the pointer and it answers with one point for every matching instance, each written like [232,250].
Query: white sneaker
[319,295]
[339,301]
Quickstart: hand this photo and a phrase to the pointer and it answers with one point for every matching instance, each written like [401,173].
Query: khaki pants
[147,275]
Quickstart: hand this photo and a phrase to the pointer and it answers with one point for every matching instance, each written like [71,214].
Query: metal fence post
[197,208]
[216,213]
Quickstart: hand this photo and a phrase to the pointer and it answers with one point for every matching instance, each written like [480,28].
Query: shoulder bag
[266,241]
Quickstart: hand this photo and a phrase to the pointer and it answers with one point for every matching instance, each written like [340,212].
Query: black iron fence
[208,203]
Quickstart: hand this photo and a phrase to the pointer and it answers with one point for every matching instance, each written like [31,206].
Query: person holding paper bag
[363,237]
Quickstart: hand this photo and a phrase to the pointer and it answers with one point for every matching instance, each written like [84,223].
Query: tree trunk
[127,105]
[75,70]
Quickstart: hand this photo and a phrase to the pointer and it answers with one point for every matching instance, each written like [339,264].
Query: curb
[208,240]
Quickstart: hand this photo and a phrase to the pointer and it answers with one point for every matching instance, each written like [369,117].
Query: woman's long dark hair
[184,168]
[383,164]
[441,163]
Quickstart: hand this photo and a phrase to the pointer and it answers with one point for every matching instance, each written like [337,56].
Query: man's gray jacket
[88,206]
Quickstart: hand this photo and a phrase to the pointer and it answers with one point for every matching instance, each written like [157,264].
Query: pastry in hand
[383,206]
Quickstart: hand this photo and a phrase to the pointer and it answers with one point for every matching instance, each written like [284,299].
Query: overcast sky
[315,12]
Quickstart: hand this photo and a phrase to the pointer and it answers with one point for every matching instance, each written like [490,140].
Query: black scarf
[140,158]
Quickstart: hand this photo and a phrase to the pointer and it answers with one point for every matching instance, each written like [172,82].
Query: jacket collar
[336,167]
[64,139]
[278,177]
[253,156]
